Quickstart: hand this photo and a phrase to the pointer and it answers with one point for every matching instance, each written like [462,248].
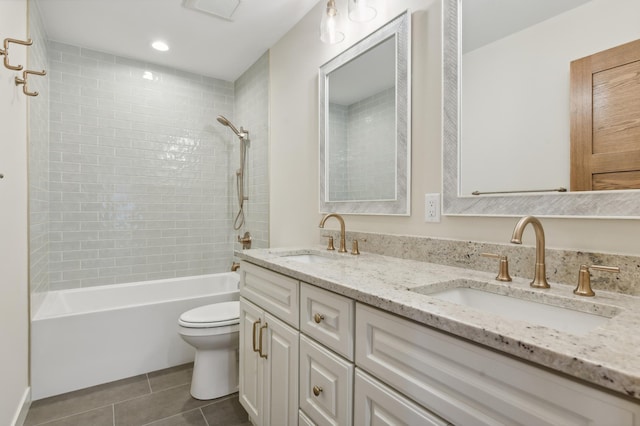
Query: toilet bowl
[213,331]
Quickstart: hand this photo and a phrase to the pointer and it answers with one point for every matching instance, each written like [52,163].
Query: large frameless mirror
[507,104]
[364,125]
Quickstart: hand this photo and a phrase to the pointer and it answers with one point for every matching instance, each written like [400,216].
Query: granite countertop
[608,355]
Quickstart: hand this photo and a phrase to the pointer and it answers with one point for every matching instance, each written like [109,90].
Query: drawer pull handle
[262,355]
[318,318]
[253,335]
[317,390]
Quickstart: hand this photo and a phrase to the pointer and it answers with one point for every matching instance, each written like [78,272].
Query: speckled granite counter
[608,356]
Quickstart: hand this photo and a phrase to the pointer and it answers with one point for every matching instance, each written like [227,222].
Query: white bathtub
[84,337]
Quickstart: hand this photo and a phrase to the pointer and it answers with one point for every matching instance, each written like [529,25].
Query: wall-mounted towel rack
[5,52]
[520,192]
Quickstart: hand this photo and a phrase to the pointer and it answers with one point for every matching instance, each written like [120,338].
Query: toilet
[213,331]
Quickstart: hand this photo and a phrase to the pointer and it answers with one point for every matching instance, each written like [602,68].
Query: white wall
[294,146]
[14,318]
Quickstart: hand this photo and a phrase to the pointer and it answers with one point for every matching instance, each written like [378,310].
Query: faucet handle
[354,248]
[330,242]
[584,278]
[503,273]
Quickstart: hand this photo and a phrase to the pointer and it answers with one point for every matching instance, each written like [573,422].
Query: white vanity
[332,339]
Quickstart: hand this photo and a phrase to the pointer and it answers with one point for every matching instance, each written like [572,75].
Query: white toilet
[213,331]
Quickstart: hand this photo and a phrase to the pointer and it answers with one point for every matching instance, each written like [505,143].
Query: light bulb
[329,25]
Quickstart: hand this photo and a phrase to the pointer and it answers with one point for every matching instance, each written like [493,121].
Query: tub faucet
[342,248]
[540,276]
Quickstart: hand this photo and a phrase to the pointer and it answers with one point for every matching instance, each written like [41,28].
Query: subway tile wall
[363,162]
[141,174]
[252,112]
[38,159]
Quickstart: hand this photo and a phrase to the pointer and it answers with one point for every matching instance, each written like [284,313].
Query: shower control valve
[245,240]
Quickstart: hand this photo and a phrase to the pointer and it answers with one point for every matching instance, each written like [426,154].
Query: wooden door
[605,120]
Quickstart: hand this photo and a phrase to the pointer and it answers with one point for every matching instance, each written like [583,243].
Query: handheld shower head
[242,134]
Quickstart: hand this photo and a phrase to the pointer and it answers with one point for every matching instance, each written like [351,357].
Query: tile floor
[159,398]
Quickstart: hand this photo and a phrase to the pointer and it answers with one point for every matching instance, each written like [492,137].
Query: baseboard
[21,415]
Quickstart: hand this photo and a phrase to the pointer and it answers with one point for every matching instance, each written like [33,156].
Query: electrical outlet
[432,207]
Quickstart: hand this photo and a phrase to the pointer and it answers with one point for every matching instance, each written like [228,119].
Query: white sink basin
[514,308]
[308,258]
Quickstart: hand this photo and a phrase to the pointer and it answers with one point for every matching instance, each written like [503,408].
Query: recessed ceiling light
[160,45]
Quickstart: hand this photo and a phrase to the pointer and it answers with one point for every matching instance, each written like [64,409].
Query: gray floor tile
[226,412]
[57,407]
[156,406]
[171,377]
[98,417]
[190,418]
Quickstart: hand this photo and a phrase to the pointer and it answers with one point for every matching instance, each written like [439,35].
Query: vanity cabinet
[324,359]
[467,384]
[269,347]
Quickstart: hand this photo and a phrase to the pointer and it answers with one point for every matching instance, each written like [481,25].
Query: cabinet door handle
[262,355]
[318,318]
[317,390]
[253,335]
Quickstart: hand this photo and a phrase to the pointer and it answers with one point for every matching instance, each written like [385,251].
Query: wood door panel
[616,107]
[605,119]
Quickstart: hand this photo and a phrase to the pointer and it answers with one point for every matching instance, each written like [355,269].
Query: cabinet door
[280,346]
[251,365]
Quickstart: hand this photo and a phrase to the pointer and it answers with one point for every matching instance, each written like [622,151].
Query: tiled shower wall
[131,176]
[252,112]
[38,158]
[363,164]
[139,171]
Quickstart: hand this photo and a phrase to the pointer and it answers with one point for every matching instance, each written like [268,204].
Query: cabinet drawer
[326,385]
[271,291]
[328,318]
[377,404]
[467,384]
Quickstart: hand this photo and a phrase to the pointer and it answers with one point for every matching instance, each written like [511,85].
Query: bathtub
[84,337]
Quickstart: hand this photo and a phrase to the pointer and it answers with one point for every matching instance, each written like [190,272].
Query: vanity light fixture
[329,25]
[361,10]
[160,46]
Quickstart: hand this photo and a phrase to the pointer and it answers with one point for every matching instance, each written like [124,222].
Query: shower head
[242,134]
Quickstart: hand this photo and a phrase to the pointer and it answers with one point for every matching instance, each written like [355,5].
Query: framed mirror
[364,121]
[511,134]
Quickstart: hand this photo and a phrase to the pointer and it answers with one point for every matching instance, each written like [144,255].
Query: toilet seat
[211,316]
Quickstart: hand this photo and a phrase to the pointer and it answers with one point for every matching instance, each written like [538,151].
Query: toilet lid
[215,315]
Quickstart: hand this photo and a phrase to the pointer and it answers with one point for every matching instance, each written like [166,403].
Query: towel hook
[5,52]
[23,81]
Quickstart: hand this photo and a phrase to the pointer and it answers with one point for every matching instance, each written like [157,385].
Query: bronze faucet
[540,276]
[342,248]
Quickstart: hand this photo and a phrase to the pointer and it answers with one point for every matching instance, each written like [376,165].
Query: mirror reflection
[457,198]
[515,112]
[362,119]
[364,122]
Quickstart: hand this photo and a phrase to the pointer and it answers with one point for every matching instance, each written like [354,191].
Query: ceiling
[485,21]
[199,42]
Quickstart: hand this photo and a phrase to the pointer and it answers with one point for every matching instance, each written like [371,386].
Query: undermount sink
[511,307]
[308,258]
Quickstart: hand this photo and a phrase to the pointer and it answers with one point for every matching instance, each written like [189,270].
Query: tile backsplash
[562,265]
